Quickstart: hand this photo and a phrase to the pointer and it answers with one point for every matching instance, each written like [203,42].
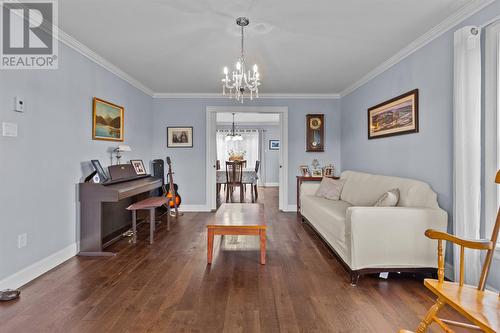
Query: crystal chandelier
[240,80]
[233,135]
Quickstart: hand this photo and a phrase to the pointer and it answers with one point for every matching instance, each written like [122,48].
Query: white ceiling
[249,118]
[301,47]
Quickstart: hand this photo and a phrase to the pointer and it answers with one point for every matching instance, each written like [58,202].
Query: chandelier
[241,81]
[233,135]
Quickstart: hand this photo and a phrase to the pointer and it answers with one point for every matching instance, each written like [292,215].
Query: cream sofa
[376,239]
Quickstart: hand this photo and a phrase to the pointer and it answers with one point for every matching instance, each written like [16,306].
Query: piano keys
[103,216]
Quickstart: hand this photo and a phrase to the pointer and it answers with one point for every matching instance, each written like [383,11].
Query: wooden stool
[150,204]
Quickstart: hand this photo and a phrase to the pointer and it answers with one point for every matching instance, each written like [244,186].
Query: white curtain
[467,146]
[250,145]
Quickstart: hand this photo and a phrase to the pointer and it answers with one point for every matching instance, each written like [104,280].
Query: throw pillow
[330,188]
[388,199]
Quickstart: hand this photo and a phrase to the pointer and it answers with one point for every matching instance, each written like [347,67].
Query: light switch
[9,129]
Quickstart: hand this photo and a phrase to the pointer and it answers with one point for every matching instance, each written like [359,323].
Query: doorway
[265,146]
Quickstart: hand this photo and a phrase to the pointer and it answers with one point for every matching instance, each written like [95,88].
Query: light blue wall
[40,168]
[190,163]
[426,155]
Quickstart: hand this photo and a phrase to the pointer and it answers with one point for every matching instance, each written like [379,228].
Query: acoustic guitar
[170,190]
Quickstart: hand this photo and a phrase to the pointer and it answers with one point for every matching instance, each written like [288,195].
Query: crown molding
[243,123]
[451,21]
[90,54]
[270,96]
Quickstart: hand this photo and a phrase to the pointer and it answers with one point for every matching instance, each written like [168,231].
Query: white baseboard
[290,208]
[33,271]
[271,184]
[194,208]
[489,287]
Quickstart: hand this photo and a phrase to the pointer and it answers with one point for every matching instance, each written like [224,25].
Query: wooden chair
[234,177]
[217,168]
[481,307]
[254,185]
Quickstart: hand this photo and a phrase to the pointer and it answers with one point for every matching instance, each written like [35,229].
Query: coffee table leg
[210,245]
[262,247]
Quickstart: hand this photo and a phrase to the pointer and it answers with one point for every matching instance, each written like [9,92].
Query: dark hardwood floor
[168,287]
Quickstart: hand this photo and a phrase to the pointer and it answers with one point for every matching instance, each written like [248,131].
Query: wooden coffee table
[238,219]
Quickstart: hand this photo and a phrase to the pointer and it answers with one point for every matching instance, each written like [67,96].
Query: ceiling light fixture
[240,80]
[233,135]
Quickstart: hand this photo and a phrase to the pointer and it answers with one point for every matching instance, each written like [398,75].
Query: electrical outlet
[22,240]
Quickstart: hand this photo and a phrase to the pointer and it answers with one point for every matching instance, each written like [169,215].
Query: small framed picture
[180,137]
[138,167]
[328,171]
[304,171]
[274,144]
[317,173]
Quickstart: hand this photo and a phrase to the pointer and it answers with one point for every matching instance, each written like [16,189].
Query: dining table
[249,176]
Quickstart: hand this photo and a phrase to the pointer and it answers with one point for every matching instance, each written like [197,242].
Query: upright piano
[103,216]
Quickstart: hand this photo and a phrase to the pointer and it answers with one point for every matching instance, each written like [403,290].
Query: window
[492,125]
[250,145]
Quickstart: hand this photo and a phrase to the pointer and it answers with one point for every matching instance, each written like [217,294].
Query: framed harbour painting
[395,117]
[107,120]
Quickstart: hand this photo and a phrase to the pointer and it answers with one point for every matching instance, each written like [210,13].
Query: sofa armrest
[393,236]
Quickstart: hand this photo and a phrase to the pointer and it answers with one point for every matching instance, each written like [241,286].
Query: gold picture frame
[317,173]
[107,121]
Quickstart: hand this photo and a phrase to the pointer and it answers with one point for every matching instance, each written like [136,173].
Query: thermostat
[18,104]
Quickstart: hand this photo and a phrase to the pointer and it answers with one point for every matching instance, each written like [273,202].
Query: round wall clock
[315,123]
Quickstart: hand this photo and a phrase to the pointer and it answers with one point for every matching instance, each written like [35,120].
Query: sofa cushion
[330,188]
[388,199]
[328,217]
[363,189]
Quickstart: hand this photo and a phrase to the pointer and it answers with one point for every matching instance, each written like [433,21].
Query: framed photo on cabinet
[315,132]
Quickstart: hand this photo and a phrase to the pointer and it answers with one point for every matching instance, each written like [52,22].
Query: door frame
[211,148]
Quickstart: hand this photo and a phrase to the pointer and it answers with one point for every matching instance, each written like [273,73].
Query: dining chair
[217,168]
[234,178]
[254,184]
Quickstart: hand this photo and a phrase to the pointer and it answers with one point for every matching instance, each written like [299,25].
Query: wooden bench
[148,204]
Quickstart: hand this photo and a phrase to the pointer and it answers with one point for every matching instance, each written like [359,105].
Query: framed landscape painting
[180,137]
[394,117]
[107,121]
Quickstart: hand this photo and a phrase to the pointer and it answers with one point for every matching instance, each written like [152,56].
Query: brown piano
[103,217]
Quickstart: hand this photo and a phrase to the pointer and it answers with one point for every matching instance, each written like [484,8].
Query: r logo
[27,28]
